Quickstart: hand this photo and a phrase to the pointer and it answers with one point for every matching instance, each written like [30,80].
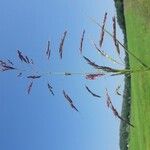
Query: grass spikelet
[20,74]
[2,62]
[30,87]
[81,41]
[117,48]
[50,88]
[114,30]
[94,76]
[21,57]
[34,76]
[102,31]
[62,44]
[24,58]
[8,67]
[115,112]
[10,62]
[4,66]
[93,94]
[67,74]
[93,64]
[108,69]
[103,68]
[114,36]
[124,47]
[108,99]
[27,59]
[48,51]
[117,90]
[31,61]
[69,100]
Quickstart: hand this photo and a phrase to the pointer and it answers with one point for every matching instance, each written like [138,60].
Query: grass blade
[106,55]
[30,87]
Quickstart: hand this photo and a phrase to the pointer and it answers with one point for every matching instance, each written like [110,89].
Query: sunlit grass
[138,35]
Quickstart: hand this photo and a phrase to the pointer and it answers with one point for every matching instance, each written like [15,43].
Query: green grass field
[137,17]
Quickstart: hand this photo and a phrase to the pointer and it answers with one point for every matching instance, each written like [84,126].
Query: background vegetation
[124,128]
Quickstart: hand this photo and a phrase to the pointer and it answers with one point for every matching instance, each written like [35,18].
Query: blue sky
[40,121]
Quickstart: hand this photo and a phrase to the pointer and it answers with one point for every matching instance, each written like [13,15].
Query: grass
[137,16]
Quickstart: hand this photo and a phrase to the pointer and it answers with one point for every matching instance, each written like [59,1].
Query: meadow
[137,14]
